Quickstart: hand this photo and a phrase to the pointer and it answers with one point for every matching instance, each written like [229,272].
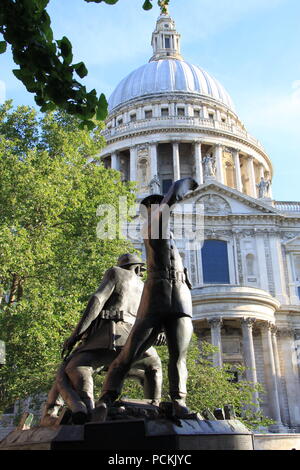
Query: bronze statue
[103,330]
[166,304]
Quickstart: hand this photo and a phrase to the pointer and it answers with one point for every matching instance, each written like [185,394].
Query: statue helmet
[129,258]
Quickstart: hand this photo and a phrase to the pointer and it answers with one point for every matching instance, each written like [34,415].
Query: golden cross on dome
[164,6]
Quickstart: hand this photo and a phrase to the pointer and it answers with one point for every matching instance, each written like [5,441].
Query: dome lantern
[165,39]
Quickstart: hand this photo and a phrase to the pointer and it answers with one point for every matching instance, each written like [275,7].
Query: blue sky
[251,46]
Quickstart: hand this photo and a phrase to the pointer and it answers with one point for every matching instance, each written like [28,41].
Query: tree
[209,387]
[45,65]
[51,260]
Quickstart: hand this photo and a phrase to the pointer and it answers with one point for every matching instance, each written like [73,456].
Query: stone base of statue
[134,425]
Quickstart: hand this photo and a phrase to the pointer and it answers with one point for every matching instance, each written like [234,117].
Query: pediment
[219,199]
[293,244]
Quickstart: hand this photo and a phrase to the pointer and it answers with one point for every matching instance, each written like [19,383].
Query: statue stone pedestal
[152,433]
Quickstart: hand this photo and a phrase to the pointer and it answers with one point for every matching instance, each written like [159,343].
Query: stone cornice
[194,130]
[170,97]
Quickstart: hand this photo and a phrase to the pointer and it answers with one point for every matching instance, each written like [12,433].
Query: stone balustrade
[181,121]
[287,206]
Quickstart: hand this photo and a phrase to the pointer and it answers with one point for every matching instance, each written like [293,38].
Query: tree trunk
[16,290]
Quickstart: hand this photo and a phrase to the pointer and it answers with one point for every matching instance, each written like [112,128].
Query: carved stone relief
[239,261]
[143,168]
[214,205]
[193,267]
[288,235]
[211,233]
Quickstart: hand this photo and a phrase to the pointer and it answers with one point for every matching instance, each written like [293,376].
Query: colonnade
[216,151]
[270,357]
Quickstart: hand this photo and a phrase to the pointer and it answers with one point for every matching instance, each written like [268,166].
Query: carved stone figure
[209,166]
[103,330]
[143,167]
[166,304]
[154,185]
[214,204]
[263,187]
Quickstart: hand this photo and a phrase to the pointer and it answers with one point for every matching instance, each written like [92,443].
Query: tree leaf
[147,5]
[102,106]
[81,69]
[3,46]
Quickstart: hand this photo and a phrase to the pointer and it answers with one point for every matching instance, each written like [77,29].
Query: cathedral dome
[168,75]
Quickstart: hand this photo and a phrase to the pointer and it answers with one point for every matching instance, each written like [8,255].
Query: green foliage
[45,65]
[50,258]
[208,386]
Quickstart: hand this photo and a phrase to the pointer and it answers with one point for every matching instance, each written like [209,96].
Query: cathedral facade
[170,119]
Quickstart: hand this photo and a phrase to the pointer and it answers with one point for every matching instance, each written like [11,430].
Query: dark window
[120,121]
[298,288]
[196,112]
[211,116]
[165,111]
[167,43]
[148,114]
[132,117]
[166,184]
[215,262]
[180,111]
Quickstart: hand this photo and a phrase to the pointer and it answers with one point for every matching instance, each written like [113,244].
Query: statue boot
[180,410]
[100,412]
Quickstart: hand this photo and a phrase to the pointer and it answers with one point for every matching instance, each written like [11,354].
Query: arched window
[215,268]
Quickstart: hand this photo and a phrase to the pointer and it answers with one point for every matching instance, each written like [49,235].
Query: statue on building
[166,304]
[263,187]
[209,166]
[154,185]
[103,330]
[164,6]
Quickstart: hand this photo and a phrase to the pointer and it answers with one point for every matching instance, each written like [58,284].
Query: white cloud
[2,91]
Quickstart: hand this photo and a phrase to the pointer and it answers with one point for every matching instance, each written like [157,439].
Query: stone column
[176,162]
[238,175]
[198,162]
[271,378]
[215,325]
[153,160]
[291,374]
[249,356]
[251,174]
[261,171]
[133,162]
[278,371]
[115,164]
[219,163]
